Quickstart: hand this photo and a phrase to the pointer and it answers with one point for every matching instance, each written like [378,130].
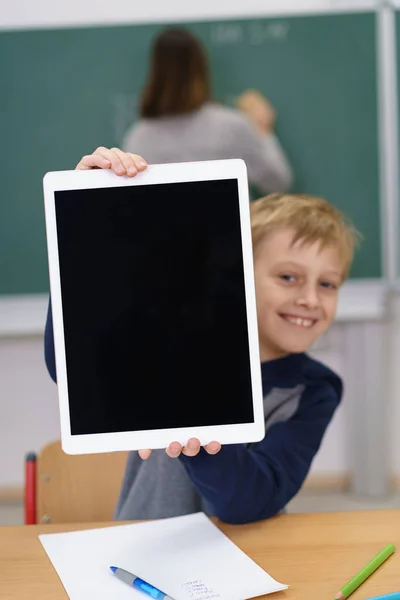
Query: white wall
[28,406]
[46,13]
[393,411]
[28,397]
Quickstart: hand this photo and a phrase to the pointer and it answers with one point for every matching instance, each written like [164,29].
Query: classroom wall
[29,408]
[393,405]
[24,13]
[28,402]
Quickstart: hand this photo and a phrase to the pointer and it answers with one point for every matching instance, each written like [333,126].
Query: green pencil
[362,575]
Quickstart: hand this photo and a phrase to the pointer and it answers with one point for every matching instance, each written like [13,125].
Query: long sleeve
[267,165]
[243,484]
[210,133]
[49,354]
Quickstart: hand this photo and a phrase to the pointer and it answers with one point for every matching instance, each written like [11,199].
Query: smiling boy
[302,253]
[303,248]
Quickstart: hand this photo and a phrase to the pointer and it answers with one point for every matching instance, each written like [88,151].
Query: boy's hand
[122,163]
[191,449]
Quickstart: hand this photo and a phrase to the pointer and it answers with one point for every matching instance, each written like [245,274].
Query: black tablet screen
[154,306]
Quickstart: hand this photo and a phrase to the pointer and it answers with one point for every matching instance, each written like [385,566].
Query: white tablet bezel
[154,174]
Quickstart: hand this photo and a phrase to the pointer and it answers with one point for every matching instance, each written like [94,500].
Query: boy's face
[296,291]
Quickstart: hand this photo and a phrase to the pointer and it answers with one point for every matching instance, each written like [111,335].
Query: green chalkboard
[398,132]
[64,92]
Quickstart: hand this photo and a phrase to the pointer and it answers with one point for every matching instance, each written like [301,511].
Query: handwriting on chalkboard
[255,32]
[198,590]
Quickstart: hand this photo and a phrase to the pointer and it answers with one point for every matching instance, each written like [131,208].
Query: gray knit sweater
[209,133]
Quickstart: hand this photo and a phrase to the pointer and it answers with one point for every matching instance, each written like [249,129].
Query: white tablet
[154,309]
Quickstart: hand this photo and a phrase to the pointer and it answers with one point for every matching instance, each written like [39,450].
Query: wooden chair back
[77,488]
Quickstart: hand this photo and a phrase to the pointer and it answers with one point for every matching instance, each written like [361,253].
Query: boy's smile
[296,291]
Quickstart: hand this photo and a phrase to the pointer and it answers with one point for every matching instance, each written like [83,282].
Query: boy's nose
[309,297]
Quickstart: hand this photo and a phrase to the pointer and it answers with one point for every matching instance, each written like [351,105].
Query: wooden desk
[314,553]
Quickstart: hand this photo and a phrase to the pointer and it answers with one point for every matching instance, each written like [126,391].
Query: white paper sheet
[186,557]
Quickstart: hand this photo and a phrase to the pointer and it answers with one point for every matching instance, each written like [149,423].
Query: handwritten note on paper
[199,590]
[187,557]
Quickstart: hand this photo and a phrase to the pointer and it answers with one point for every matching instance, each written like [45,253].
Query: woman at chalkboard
[179,122]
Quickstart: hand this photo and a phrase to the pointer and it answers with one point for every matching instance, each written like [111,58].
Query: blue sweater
[242,483]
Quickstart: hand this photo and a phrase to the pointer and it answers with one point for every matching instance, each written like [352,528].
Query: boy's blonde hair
[312,219]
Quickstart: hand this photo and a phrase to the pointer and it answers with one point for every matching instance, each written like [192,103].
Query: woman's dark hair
[178,81]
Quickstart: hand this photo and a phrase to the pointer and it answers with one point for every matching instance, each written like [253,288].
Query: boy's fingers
[130,162]
[93,161]
[213,447]
[174,450]
[139,161]
[144,454]
[97,160]
[192,447]
[122,163]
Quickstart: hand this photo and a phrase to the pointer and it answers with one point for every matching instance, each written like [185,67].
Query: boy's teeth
[299,321]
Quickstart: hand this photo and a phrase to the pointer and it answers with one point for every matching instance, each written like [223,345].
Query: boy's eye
[329,285]
[287,277]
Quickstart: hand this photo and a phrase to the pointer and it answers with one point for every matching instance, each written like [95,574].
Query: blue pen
[395,596]
[139,584]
